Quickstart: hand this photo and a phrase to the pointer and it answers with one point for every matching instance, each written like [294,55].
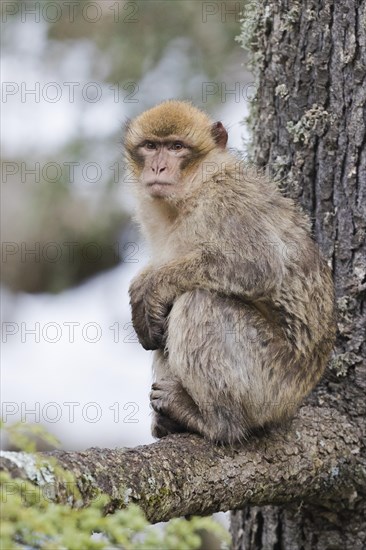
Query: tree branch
[183,474]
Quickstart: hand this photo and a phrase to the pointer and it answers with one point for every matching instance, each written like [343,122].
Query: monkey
[237,302]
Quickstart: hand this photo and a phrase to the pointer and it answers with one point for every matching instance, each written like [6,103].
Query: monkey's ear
[219,134]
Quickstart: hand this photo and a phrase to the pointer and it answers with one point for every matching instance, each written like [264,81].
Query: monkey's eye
[150,145]
[177,146]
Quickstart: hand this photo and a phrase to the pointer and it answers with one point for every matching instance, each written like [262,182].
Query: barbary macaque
[237,301]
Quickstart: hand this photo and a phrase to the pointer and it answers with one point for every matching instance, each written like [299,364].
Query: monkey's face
[163,163]
[166,146]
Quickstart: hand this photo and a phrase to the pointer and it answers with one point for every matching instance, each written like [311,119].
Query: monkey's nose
[158,170]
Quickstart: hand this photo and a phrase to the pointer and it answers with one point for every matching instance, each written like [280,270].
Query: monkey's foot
[170,400]
[162,426]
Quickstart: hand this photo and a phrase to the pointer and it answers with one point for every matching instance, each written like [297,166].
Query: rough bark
[183,474]
[309,129]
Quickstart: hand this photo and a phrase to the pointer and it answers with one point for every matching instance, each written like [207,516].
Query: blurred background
[72,74]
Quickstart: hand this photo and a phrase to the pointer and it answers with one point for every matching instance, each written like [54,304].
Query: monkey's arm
[231,275]
[137,292]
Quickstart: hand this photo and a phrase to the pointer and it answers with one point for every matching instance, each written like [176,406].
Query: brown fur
[237,301]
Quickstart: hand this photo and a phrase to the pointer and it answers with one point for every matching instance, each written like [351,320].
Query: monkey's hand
[150,308]
[137,292]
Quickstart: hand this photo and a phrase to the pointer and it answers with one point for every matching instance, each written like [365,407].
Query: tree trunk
[308,124]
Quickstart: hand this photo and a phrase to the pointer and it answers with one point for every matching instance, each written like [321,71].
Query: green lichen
[252,26]
[310,14]
[293,15]
[282,91]
[339,366]
[254,20]
[250,18]
[341,363]
[280,170]
[157,497]
[310,61]
[314,122]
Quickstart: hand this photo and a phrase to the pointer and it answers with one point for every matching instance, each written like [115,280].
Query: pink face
[162,165]
[166,164]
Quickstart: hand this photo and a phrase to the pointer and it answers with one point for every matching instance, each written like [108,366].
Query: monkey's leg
[162,424]
[171,402]
[219,378]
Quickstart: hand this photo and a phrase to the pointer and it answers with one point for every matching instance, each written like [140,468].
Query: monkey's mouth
[156,182]
[160,189]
